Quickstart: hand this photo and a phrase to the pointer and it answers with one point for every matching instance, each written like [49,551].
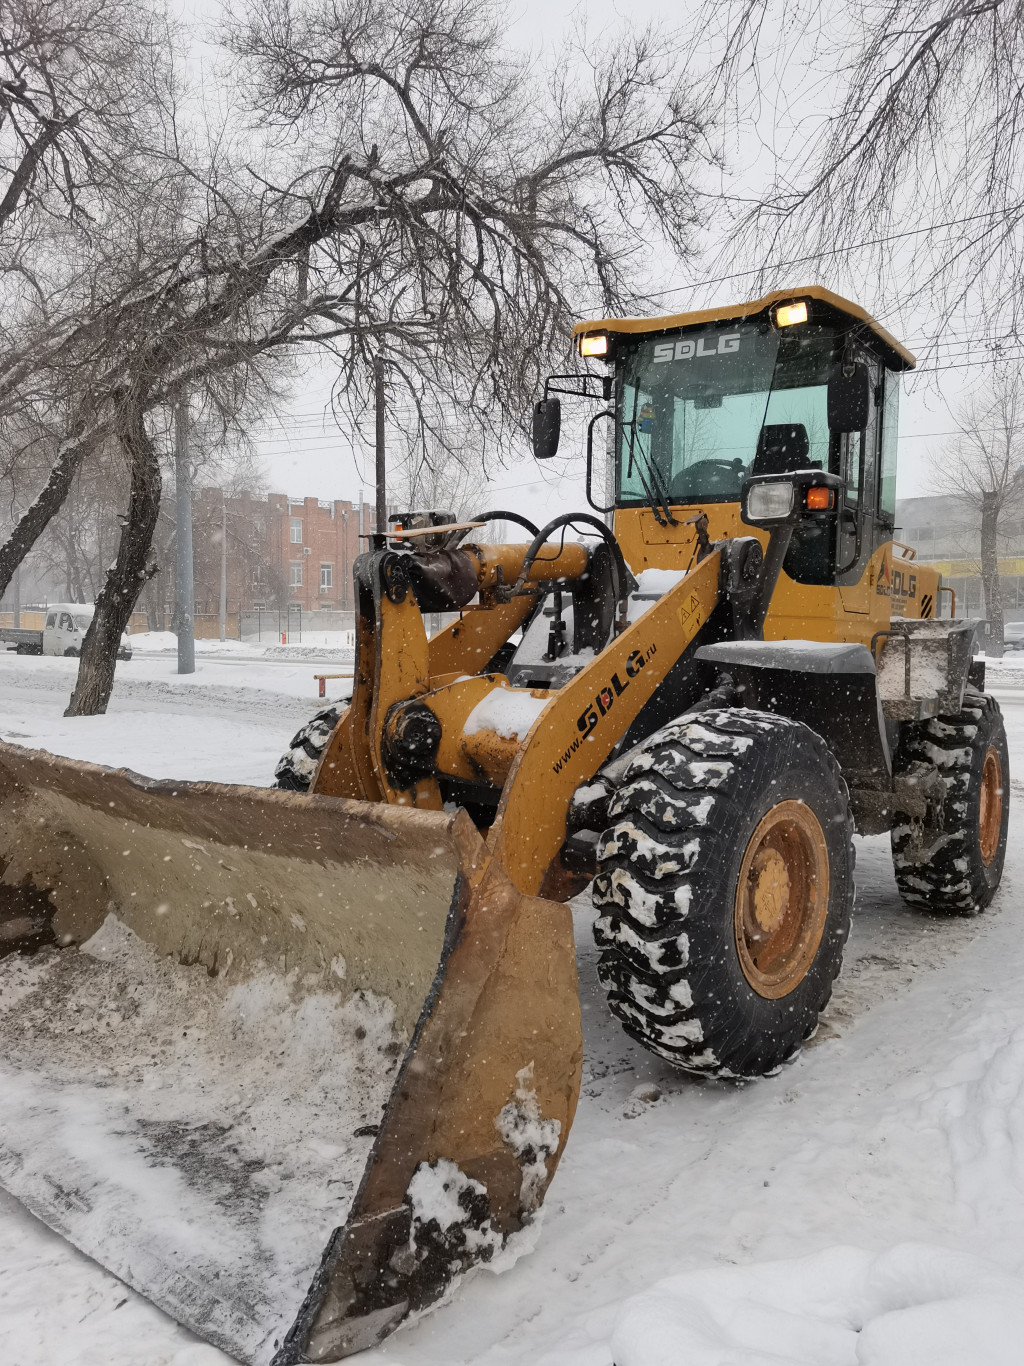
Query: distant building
[313,546]
[946,532]
[281,551]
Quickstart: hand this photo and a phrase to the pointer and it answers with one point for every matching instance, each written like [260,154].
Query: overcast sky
[304,453]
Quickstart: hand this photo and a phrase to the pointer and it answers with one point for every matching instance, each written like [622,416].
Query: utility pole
[223,565]
[184,579]
[344,560]
[382,504]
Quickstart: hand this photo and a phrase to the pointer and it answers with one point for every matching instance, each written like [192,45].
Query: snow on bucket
[251,1042]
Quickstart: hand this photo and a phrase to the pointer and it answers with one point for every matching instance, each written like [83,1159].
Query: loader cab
[703,401]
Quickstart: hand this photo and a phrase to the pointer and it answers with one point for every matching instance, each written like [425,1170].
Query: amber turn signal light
[819,499]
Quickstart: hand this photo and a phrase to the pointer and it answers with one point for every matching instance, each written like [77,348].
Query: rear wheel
[298,764]
[952,860]
[724,891]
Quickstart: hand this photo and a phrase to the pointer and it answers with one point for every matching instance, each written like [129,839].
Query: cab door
[51,634]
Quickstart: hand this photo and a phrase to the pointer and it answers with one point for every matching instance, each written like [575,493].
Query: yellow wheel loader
[290,1061]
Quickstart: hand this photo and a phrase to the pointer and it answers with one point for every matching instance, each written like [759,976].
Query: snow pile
[311,649]
[910,1306]
[328,645]
[203,1139]
[506,711]
[658,582]
[161,642]
[150,642]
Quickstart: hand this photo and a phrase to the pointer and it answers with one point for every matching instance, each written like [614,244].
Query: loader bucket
[284,1064]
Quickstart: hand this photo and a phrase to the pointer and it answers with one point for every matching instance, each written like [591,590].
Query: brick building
[313,546]
[281,551]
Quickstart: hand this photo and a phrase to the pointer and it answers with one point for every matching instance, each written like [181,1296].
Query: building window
[326,577]
[296,531]
[295,580]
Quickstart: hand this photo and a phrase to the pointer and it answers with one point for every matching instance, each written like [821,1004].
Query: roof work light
[788,314]
[594,344]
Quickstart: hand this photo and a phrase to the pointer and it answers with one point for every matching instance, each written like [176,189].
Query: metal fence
[292,626]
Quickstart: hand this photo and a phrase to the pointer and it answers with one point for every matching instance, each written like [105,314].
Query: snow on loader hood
[284,1064]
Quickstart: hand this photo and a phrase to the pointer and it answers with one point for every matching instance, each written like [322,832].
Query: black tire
[71,653]
[954,863]
[297,765]
[668,890]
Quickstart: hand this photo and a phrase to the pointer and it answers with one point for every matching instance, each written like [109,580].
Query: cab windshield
[704,408]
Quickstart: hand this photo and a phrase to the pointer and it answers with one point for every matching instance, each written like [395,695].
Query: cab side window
[66,624]
[890,434]
[51,621]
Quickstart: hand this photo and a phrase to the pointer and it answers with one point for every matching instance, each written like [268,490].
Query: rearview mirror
[849,399]
[547,427]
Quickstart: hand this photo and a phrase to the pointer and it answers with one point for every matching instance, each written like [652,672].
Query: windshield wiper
[657,499]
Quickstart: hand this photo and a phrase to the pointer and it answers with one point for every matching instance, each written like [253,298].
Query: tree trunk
[129,574]
[46,506]
[73,452]
[995,644]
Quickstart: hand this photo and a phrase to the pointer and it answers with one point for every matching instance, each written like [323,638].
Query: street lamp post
[184,572]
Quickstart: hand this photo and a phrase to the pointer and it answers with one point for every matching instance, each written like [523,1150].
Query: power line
[854,246]
[966,365]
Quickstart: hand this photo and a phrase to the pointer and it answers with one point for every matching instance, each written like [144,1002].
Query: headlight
[770,502]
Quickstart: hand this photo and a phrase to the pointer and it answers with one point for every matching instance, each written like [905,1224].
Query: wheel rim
[781,899]
[990,814]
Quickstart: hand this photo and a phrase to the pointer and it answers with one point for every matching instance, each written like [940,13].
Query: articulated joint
[409,745]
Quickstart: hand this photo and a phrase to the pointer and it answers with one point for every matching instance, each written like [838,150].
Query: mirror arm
[606,412]
[580,386]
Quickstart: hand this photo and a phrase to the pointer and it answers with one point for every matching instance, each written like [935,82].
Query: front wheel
[298,764]
[725,889]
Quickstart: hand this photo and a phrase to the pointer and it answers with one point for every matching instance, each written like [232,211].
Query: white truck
[62,634]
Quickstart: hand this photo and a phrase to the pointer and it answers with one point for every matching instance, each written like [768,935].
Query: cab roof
[897,357]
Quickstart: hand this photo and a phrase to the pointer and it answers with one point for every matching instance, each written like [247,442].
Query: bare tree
[82,89]
[422,195]
[920,162]
[70,103]
[425,472]
[984,469]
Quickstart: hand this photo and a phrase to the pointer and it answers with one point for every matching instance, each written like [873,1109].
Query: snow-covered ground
[864,1208]
[310,645]
[227,722]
